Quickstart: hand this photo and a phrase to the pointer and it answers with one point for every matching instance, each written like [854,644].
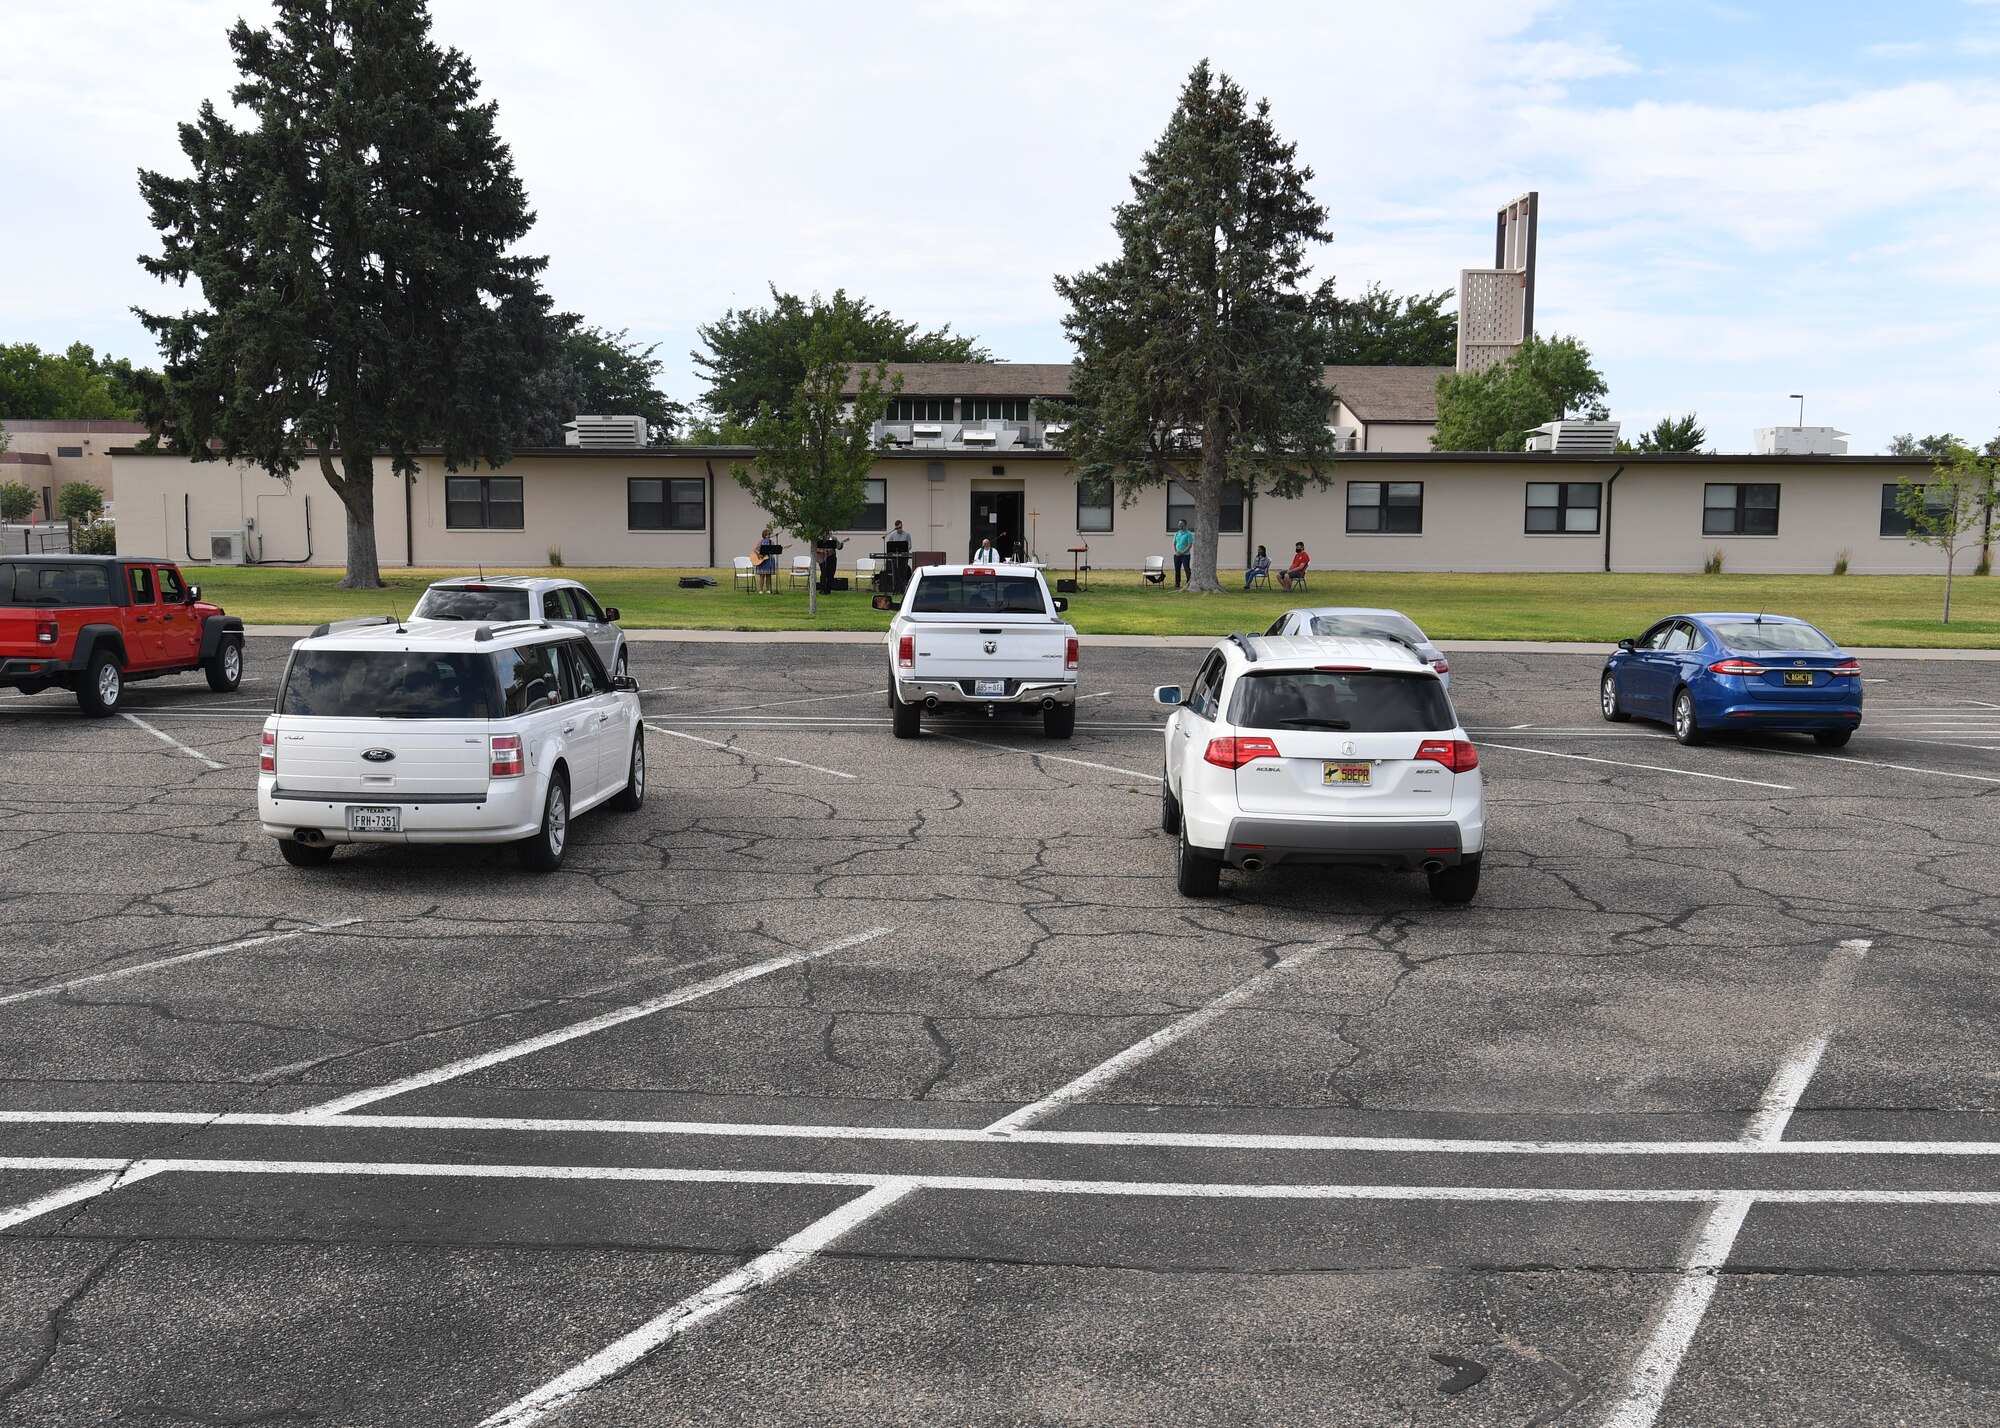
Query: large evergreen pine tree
[353,245]
[1198,348]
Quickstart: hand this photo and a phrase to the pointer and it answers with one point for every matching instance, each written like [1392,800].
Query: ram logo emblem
[993,647]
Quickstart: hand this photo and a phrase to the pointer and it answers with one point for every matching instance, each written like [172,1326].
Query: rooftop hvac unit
[225,547]
[601,431]
[1346,438]
[1799,441]
[1575,438]
[974,436]
[926,431]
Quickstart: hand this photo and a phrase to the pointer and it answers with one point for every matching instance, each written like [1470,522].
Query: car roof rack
[1242,642]
[487,632]
[336,627]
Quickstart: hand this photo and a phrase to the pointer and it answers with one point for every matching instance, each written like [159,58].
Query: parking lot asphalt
[859,1081]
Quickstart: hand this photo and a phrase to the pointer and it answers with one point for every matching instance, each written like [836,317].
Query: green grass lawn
[1854,609]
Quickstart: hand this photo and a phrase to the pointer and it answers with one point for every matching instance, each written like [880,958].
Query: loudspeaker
[840,582]
[1066,587]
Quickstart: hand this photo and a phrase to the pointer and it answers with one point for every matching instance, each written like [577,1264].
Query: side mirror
[884,602]
[1167,694]
[194,593]
[611,613]
[1062,603]
[1626,645]
[624,684]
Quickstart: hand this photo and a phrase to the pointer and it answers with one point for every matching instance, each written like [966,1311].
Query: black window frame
[69,453]
[1108,505]
[1232,501]
[1892,513]
[672,509]
[1019,409]
[1739,511]
[484,502]
[904,410]
[872,515]
[1563,506]
[1380,523]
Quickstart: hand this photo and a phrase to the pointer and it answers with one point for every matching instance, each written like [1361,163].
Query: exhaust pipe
[1432,865]
[311,837]
[930,701]
[1048,704]
[1253,865]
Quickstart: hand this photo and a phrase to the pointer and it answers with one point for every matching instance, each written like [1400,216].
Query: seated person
[1260,568]
[1300,561]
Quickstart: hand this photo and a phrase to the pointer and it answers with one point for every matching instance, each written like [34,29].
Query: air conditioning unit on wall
[225,547]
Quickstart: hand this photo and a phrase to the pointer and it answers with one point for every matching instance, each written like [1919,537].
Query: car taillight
[267,753]
[506,756]
[906,652]
[1072,653]
[1440,666]
[1852,669]
[1736,666]
[1455,754]
[46,632]
[1233,753]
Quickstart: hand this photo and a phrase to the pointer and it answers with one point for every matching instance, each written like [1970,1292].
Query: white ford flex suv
[1320,750]
[436,732]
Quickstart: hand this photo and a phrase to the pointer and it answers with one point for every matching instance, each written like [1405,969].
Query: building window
[1180,506]
[1733,508]
[482,503]
[1563,507]
[1894,522]
[918,409]
[675,503]
[1385,507]
[996,408]
[1093,506]
[71,451]
[874,512]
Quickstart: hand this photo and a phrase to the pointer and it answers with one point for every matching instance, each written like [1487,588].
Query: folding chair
[865,567]
[1259,577]
[745,576]
[802,570]
[1156,570]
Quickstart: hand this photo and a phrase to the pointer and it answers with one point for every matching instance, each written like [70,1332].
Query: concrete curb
[1143,642]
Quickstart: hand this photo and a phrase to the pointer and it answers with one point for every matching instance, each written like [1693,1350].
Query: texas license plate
[374,820]
[1798,676]
[989,686]
[1346,773]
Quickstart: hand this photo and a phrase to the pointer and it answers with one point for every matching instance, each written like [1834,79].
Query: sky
[1738,201]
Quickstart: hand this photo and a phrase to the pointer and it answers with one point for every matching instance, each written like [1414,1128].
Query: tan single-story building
[1382,510]
[45,456]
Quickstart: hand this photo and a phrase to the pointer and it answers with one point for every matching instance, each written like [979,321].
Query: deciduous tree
[1545,380]
[17,502]
[1199,347]
[1676,434]
[1948,510]
[80,502]
[56,386]
[1380,329]
[354,245]
[601,373]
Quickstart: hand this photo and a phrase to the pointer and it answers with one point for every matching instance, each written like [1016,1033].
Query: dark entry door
[999,514]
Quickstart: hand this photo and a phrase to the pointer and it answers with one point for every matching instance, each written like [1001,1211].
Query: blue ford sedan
[1709,674]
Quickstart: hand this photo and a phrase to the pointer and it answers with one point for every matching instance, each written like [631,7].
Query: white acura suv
[1320,750]
[445,732]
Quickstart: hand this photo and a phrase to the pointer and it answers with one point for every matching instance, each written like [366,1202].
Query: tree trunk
[812,585]
[1949,561]
[357,492]
[1208,507]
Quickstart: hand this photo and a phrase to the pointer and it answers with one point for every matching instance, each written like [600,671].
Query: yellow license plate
[1798,676]
[1346,773]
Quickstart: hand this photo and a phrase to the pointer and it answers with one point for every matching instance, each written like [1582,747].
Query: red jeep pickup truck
[93,623]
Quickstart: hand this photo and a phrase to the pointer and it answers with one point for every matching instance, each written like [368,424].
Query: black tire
[1170,809]
[1833,738]
[1607,699]
[906,719]
[629,798]
[1059,721]
[1685,728]
[543,853]
[622,666]
[225,667]
[1456,885]
[1195,873]
[305,855]
[102,688]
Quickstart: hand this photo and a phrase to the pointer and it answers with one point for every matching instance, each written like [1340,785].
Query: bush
[1840,560]
[80,502]
[100,538]
[555,556]
[1713,565]
[17,502]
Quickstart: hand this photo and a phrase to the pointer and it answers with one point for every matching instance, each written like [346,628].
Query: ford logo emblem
[378,756]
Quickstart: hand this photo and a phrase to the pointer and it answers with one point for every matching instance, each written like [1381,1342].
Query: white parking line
[1039,754]
[1880,764]
[747,755]
[1658,1362]
[178,959]
[164,737]
[465,1067]
[780,703]
[1652,768]
[800,1248]
[121,1174]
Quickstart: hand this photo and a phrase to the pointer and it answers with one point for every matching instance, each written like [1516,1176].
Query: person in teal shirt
[1183,561]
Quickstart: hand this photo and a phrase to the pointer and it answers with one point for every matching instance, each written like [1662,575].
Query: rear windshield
[466,602]
[979,595]
[387,684]
[1367,703]
[1749,635]
[1367,627]
[54,585]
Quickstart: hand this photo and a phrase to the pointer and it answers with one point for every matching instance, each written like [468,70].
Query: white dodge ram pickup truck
[982,634]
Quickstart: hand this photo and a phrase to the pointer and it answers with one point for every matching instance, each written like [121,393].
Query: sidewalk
[1141,642]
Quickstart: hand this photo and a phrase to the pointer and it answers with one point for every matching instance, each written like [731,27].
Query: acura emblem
[1348,747]
[378,756]
[992,646]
